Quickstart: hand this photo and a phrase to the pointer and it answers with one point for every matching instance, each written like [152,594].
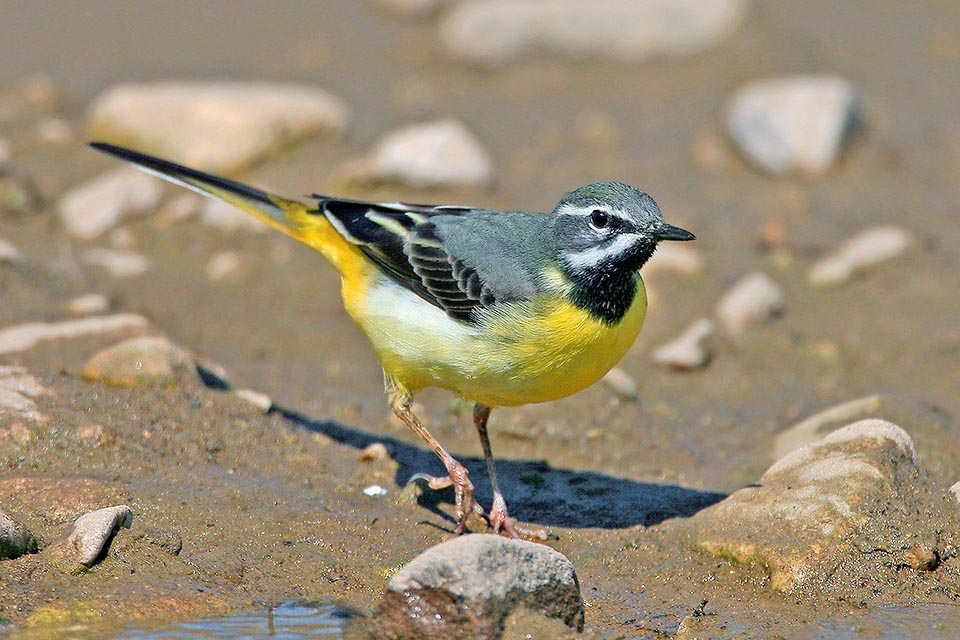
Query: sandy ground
[270,508]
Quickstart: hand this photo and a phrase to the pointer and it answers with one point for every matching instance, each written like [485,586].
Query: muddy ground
[270,508]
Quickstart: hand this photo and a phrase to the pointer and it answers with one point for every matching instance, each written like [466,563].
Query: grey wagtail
[503,308]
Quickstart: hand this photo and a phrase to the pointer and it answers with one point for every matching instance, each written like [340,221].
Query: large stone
[842,514]
[215,126]
[468,586]
[90,209]
[15,539]
[793,124]
[92,532]
[24,337]
[495,32]
[441,153]
[867,248]
[142,361]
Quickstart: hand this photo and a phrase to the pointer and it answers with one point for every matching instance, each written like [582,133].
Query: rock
[928,422]
[221,127]
[6,154]
[226,217]
[260,400]
[88,304]
[686,352]
[621,383]
[179,209]
[840,514]
[754,299]
[92,532]
[375,491]
[141,361]
[90,209]
[9,254]
[867,248]
[955,491]
[412,7]
[674,257]
[53,130]
[118,262]
[375,452]
[496,32]
[17,392]
[466,587]
[442,153]
[793,124]
[15,539]
[26,336]
[223,265]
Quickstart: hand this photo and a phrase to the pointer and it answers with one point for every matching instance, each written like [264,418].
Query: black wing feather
[404,242]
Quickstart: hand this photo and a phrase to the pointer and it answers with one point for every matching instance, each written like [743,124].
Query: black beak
[669,232]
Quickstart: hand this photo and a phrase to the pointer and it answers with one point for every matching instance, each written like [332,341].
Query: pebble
[9,254]
[6,153]
[793,124]
[120,263]
[91,208]
[93,531]
[88,304]
[223,265]
[621,383]
[18,389]
[867,248]
[226,217]
[955,490]
[53,130]
[674,257]
[799,518]
[686,352]
[412,8]
[146,360]
[15,539]
[496,32]
[442,153]
[217,126]
[375,452]
[122,238]
[24,337]
[754,299]
[179,209]
[258,399]
[375,491]
[468,586]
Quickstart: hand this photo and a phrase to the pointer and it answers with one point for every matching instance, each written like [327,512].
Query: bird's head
[608,227]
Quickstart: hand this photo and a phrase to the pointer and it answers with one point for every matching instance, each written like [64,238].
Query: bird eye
[599,218]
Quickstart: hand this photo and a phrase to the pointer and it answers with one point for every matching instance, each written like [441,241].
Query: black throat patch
[607,290]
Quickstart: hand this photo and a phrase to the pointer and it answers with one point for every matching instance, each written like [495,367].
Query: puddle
[285,622]
[940,621]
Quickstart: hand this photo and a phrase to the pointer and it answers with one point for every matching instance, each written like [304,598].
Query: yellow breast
[520,353]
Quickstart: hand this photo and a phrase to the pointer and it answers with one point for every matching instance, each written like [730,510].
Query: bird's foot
[501,522]
[459,479]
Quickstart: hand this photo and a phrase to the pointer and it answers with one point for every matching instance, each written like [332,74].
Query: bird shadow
[535,491]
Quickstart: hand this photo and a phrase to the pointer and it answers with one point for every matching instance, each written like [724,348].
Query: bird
[502,308]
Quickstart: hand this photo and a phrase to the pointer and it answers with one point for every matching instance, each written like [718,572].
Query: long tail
[294,218]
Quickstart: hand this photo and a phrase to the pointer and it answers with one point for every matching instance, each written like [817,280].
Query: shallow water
[286,622]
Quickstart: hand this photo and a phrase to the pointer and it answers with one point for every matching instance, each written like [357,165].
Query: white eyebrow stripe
[595,255]
[583,212]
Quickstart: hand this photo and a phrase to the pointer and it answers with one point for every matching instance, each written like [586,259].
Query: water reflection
[285,622]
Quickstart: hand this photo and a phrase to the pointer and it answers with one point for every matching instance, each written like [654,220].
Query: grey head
[600,236]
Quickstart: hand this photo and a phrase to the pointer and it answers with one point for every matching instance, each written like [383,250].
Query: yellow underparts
[518,353]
